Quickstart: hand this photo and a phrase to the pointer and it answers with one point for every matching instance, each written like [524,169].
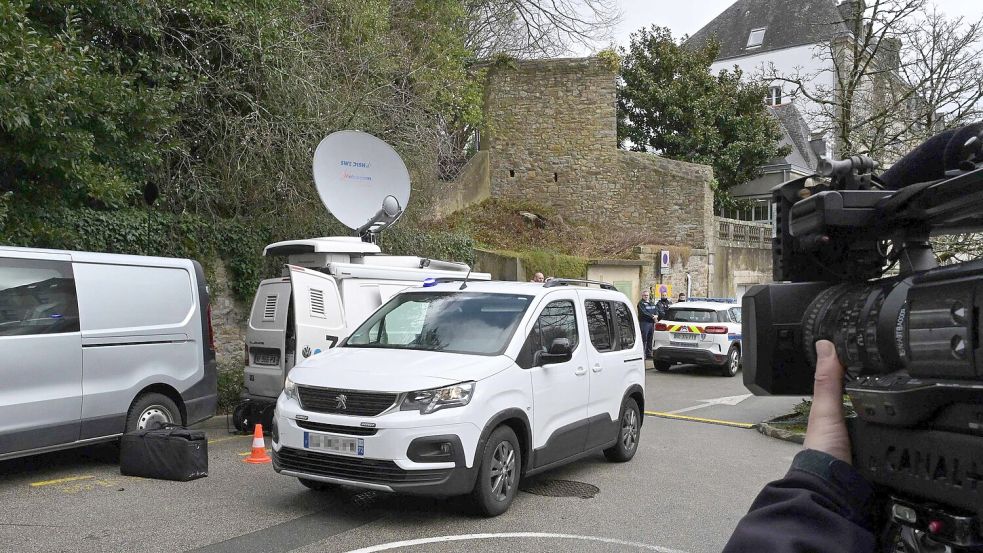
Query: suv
[464,388]
[701,332]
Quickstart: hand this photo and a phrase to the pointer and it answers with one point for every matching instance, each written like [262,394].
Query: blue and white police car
[701,333]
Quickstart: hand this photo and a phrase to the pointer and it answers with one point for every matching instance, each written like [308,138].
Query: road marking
[698,419]
[220,440]
[60,481]
[728,400]
[512,535]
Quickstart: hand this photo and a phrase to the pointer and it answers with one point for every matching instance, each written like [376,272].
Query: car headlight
[289,388]
[435,399]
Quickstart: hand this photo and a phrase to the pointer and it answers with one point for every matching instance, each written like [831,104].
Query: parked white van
[93,345]
[328,287]
[458,388]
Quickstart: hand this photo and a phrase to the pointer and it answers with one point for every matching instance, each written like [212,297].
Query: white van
[460,388]
[328,287]
[93,345]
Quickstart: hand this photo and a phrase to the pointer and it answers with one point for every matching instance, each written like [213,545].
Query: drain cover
[560,488]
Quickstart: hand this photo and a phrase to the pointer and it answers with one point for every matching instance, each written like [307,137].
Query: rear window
[690,315]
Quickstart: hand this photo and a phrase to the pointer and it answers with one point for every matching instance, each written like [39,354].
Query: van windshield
[455,322]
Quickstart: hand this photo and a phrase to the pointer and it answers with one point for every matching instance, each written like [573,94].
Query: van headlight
[435,399]
[289,388]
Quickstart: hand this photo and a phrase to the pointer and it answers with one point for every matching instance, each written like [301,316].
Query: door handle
[580,371]
[598,368]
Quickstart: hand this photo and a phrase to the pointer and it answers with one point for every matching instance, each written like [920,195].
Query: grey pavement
[685,490]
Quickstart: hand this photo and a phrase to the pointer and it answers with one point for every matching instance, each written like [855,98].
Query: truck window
[626,326]
[599,324]
[557,320]
[37,297]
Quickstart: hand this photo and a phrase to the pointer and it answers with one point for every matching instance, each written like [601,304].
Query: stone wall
[471,186]
[742,256]
[552,138]
[229,317]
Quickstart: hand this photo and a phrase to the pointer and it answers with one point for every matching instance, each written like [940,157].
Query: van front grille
[345,402]
[337,428]
[354,468]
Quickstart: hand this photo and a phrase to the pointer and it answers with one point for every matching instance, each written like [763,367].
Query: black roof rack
[553,282]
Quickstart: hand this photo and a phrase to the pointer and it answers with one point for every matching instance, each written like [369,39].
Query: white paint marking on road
[728,400]
[512,535]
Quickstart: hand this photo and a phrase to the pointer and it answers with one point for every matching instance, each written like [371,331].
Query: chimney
[889,50]
[852,12]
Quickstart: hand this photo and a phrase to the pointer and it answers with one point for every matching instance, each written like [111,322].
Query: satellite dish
[362,181]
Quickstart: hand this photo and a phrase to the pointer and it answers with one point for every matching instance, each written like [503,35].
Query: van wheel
[629,430]
[498,474]
[315,485]
[151,410]
[733,362]
[662,366]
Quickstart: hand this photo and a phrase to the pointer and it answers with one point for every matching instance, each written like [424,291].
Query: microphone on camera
[930,160]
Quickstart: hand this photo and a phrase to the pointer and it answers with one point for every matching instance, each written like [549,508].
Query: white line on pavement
[511,535]
[729,400]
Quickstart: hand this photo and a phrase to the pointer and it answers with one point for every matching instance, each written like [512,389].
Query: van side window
[557,320]
[626,326]
[599,324]
[37,297]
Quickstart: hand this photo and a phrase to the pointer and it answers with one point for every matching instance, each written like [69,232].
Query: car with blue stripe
[699,332]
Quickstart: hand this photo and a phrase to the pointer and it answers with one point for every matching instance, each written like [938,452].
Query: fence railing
[744,233]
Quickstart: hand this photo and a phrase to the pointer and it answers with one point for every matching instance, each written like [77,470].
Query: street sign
[666,258]
[663,290]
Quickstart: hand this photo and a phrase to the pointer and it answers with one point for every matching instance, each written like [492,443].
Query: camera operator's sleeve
[822,504]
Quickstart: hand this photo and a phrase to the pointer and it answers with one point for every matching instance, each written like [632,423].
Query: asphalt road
[686,488]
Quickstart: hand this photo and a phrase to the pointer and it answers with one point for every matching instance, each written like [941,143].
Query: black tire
[151,408]
[316,485]
[242,418]
[495,489]
[733,362]
[662,366]
[629,431]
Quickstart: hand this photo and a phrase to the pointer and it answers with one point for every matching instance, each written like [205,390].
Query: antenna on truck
[362,181]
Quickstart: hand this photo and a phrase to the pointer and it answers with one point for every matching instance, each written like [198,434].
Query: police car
[699,332]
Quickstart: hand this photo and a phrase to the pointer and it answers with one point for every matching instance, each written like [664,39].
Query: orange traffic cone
[258,456]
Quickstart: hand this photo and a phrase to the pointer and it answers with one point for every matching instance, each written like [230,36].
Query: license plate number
[685,336]
[334,444]
[266,359]
[684,344]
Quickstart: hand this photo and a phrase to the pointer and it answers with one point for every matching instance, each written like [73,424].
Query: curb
[780,433]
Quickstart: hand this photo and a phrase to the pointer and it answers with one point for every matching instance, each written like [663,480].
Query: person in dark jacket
[823,503]
[662,307]
[646,320]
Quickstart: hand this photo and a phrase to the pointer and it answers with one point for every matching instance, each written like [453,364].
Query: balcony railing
[744,233]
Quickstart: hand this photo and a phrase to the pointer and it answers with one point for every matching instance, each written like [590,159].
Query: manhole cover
[560,488]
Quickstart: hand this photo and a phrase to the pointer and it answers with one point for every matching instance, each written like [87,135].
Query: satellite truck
[330,285]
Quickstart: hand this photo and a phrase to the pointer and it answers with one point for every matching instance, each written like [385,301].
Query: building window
[774,97]
[756,37]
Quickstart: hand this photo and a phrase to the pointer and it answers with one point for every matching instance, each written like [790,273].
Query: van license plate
[334,444]
[266,359]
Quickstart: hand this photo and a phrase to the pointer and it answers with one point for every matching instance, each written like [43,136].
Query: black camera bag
[172,453]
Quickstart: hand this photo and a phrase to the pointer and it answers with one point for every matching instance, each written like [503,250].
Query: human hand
[827,428]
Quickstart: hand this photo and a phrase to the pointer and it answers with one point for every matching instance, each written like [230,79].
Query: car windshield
[454,322]
[690,315]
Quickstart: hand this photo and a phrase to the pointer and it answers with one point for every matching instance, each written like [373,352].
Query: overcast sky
[687,16]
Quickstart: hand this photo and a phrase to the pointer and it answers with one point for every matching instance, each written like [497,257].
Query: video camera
[853,264]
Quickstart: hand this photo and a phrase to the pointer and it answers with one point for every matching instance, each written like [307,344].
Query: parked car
[95,344]
[699,332]
[464,388]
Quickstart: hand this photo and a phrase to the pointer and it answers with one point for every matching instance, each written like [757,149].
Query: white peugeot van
[93,345]
[464,387]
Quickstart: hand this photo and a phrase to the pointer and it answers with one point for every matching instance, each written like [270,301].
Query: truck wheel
[498,474]
[242,418]
[662,366]
[733,362]
[150,410]
[629,430]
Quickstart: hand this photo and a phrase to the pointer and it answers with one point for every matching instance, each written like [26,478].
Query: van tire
[150,408]
[488,500]
[629,432]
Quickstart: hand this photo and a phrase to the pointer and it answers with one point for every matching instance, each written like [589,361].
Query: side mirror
[559,352]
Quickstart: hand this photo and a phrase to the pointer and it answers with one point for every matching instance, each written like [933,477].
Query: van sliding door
[319,317]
